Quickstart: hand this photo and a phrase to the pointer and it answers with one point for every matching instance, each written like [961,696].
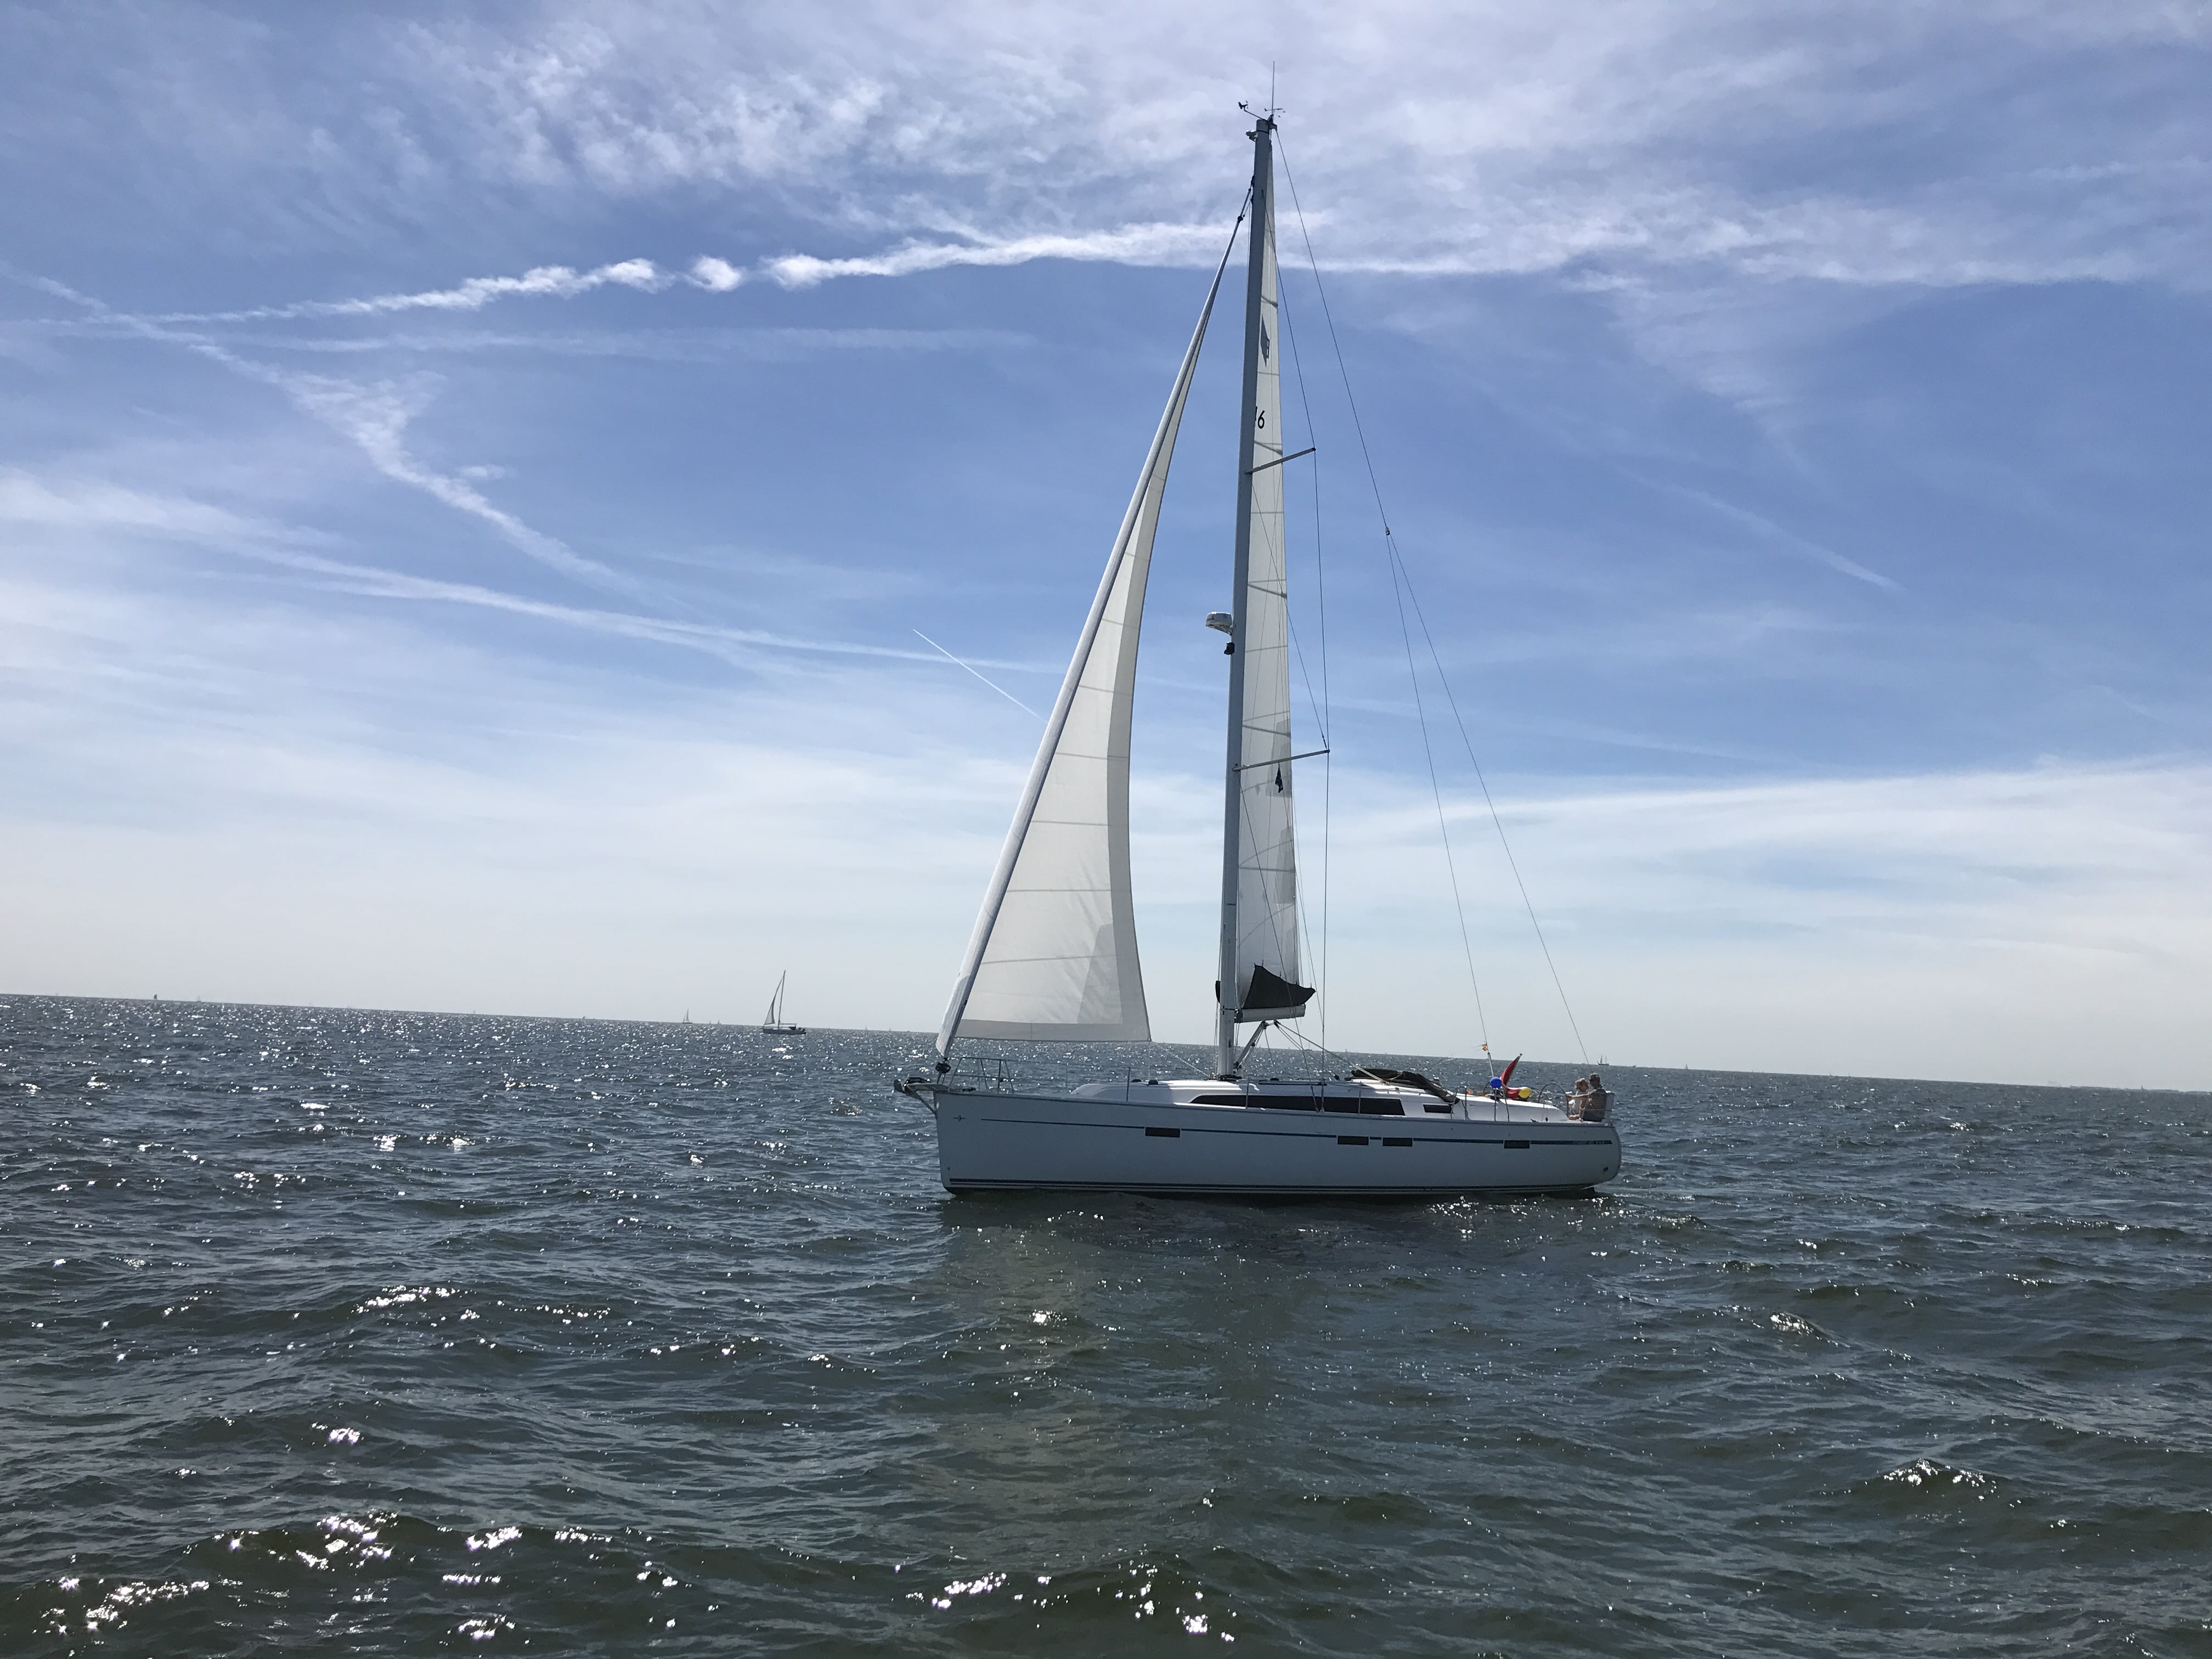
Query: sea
[329,1331]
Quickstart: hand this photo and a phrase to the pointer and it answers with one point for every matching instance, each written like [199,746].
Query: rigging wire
[1402,585]
[1321,613]
[1437,794]
[1323,710]
[1398,577]
[1498,822]
[1318,1048]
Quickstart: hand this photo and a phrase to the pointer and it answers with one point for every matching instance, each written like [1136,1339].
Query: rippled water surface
[387,1333]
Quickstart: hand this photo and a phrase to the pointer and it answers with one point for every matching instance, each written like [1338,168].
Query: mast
[1226,995]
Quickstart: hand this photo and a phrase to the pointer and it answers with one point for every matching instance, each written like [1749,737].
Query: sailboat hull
[1015,1143]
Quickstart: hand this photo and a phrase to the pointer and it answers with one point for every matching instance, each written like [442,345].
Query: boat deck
[1353,1097]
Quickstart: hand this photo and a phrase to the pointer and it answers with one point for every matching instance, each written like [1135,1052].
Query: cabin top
[1352,1095]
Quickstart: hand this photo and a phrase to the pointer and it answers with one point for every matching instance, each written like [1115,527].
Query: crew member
[1596,1101]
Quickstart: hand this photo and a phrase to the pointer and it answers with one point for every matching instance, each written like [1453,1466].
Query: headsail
[1053,956]
[1259,912]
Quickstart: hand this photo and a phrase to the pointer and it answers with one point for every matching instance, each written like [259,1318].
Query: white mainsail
[1053,956]
[1260,870]
[1259,912]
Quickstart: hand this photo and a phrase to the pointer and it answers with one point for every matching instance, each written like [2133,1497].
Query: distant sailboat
[1054,954]
[773,1025]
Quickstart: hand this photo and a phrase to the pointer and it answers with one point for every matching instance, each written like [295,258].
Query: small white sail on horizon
[1053,956]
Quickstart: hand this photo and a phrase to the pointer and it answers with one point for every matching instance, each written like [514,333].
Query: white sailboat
[774,1023]
[1054,954]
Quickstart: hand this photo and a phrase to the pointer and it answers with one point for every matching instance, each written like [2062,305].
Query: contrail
[551,281]
[1788,538]
[1135,245]
[374,419]
[1132,245]
[993,683]
[374,582]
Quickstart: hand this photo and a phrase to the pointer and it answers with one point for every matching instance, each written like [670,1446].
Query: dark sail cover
[1404,1079]
[1273,997]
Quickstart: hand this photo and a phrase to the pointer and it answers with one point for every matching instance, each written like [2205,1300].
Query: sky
[486,493]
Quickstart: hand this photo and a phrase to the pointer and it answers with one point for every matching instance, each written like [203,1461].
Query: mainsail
[1259,897]
[1053,956]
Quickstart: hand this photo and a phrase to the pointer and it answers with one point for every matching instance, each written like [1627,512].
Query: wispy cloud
[92,505]
[680,345]
[97,505]
[711,637]
[1776,535]
[1129,245]
[474,294]
[1176,244]
[218,755]
[2027,141]
[1446,140]
[2021,923]
[374,417]
[1134,244]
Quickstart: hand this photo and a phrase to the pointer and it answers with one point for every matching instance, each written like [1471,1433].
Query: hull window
[1353,1103]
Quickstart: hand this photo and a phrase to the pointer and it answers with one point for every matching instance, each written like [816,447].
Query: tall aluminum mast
[1227,993]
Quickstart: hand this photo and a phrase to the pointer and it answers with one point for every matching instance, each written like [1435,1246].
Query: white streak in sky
[374,418]
[1787,539]
[29,502]
[993,683]
[375,583]
[34,504]
[546,282]
[1132,245]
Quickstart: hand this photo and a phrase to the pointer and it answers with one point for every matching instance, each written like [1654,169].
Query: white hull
[990,1142]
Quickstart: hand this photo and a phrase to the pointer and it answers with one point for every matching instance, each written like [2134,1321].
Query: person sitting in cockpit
[1591,1100]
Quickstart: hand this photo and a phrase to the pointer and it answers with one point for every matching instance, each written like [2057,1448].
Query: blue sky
[471,479]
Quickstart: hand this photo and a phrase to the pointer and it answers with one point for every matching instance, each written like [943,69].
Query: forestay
[1053,956]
